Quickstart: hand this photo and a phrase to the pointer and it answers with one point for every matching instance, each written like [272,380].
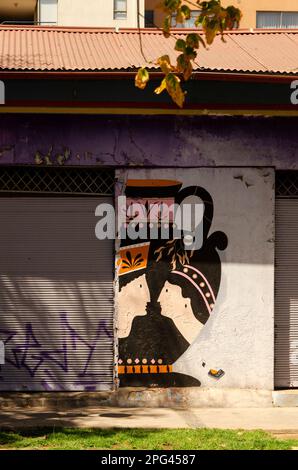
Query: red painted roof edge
[80,29]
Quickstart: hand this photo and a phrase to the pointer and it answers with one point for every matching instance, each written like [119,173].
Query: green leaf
[180,45]
[201,41]
[191,53]
[186,11]
[214,20]
[171,4]
[233,18]
[181,63]
[192,40]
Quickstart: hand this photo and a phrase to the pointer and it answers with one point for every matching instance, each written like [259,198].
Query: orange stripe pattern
[164,369]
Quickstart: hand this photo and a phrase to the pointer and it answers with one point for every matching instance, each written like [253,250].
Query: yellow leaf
[161,87]
[184,66]
[181,63]
[174,89]
[141,78]
[167,23]
[180,17]
[187,71]
[165,64]
[210,35]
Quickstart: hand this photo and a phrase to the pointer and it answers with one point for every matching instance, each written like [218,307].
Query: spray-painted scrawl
[151,341]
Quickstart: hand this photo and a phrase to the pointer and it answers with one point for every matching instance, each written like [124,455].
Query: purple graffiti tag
[73,334]
[76,337]
[26,348]
[89,385]
[45,384]
[30,354]
[51,353]
[7,336]
[101,331]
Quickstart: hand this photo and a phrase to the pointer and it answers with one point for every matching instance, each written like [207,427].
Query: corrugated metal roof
[69,49]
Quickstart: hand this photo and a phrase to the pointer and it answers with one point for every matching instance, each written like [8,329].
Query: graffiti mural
[151,341]
[53,369]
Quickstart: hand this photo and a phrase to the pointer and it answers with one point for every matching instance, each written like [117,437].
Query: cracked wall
[150,141]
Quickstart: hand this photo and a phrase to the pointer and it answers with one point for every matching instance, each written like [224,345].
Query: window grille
[277,19]
[287,184]
[83,181]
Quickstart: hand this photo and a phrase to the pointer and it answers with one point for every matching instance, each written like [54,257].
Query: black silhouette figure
[154,339]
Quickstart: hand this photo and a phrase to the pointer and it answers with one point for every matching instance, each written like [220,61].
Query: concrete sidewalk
[279,420]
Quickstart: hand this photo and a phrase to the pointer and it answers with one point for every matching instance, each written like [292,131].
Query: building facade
[83,312]
[203,319]
[113,13]
[269,14]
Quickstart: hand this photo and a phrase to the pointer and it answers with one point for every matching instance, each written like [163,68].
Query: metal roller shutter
[56,295]
[286,284]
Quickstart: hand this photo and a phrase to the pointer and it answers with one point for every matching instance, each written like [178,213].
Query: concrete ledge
[54,401]
[285,398]
[192,397]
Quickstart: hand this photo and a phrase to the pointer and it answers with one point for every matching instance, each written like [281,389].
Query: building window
[120,9]
[190,23]
[48,12]
[277,19]
[17,12]
[149,19]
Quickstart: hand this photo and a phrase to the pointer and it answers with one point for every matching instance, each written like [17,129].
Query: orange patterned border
[148,369]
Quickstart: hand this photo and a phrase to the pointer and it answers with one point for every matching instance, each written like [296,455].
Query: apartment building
[91,13]
[265,14]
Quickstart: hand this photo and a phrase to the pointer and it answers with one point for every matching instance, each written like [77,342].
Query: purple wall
[150,141]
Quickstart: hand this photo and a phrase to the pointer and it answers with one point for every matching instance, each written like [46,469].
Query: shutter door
[286,293]
[56,295]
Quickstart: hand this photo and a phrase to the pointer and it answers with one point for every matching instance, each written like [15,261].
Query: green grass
[148,439]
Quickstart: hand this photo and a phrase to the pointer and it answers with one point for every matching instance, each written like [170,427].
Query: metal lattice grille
[287,184]
[57,180]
